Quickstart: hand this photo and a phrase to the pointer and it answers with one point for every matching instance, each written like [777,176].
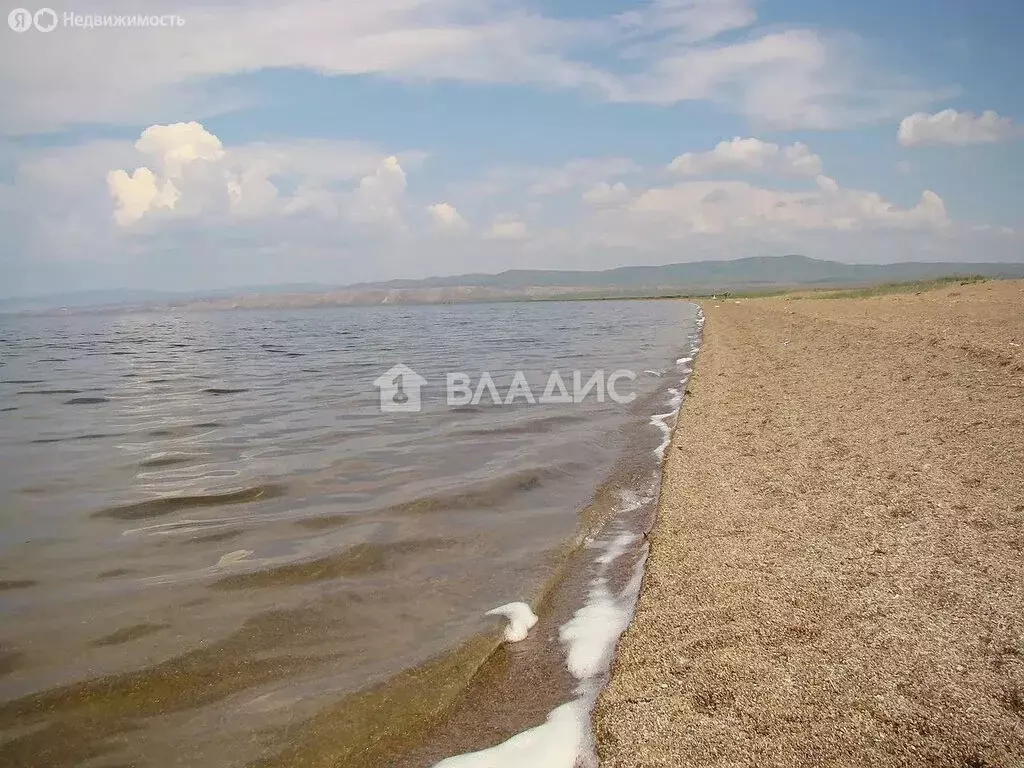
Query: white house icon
[399,389]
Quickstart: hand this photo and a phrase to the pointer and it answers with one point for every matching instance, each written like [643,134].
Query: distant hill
[752,273]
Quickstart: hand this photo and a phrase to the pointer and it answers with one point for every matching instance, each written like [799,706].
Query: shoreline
[834,575]
[530,702]
[507,701]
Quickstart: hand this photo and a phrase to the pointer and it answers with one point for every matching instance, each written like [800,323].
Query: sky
[253,143]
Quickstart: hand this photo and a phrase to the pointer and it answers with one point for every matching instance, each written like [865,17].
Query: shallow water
[212,537]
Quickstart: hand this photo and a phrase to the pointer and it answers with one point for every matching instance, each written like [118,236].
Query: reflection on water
[210,534]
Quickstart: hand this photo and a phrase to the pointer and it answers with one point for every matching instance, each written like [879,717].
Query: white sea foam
[564,739]
[661,421]
[617,547]
[586,635]
[553,744]
[521,619]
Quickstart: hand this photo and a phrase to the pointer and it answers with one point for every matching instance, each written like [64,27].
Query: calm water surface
[210,533]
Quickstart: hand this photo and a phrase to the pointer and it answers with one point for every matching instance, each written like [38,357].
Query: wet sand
[836,575]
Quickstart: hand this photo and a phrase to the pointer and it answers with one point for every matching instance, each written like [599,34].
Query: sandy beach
[836,571]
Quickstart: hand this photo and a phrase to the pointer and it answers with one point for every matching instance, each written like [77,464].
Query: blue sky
[256,143]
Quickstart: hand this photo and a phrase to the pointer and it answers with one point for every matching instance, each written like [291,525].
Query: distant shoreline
[761,275]
[272,302]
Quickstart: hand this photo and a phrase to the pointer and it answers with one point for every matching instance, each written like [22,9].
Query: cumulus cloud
[171,150]
[138,193]
[750,156]
[188,172]
[379,196]
[446,218]
[174,146]
[956,128]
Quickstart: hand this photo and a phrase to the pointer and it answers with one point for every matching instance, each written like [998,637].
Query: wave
[48,392]
[360,560]
[169,504]
[182,430]
[488,494]
[531,427]
[87,436]
[167,460]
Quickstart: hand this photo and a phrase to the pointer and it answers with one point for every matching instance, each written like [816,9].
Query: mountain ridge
[747,273]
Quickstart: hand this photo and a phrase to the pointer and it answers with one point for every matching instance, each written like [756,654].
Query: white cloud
[718,207]
[688,21]
[314,199]
[379,197]
[446,218]
[507,229]
[956,128]
[136,194]
[752,156]
[791,78]
[173,150]
[172,147]
[667,51]
[190,173]
[826,184]
[251,193]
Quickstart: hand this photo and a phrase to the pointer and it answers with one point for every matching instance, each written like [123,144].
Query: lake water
[216,549]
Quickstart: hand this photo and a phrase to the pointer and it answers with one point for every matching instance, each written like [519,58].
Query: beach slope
[836,575]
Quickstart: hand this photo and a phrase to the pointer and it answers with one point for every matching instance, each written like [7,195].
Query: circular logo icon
[45,20]
[19,20]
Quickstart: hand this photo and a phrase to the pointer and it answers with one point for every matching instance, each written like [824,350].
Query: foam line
[564,739]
